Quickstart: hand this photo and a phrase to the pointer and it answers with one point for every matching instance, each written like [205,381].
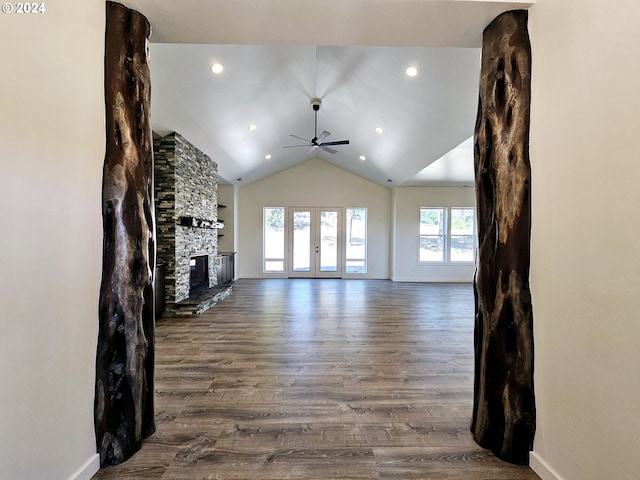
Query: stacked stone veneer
[186,185]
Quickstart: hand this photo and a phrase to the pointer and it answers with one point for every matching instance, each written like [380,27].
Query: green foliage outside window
[274,218]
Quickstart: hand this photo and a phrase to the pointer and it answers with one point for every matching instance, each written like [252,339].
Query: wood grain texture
[317,380]
[125,353]
[504,404]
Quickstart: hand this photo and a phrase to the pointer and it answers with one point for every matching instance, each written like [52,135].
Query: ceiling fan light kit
[317,140]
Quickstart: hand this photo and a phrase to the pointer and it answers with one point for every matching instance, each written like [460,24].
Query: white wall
[585,159]
[408,201]
[314,183]
[51,154]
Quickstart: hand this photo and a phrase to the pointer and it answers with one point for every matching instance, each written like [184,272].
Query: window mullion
[447,235]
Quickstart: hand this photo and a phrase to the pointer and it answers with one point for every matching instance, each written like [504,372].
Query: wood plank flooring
[318,379]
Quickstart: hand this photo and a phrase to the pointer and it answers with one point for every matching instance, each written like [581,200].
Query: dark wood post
[125,353]
[504,405]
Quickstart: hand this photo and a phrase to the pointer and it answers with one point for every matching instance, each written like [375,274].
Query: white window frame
[347,239]
[266,259]
[447,235]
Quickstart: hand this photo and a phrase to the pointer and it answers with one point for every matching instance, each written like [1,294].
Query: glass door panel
[315,249]
[328,241]
[301,251]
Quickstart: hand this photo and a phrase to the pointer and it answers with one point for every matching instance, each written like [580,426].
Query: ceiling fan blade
[322,136]
[300,138]
[329,149]
[313,147]
[292,146]
[339,142]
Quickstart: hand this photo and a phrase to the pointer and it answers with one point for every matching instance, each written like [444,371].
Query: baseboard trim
[542,468]
[88,470]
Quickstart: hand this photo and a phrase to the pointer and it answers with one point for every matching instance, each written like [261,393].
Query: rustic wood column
[504,405]
[125,353]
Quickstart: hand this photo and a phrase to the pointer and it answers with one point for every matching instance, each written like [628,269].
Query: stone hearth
[201,301]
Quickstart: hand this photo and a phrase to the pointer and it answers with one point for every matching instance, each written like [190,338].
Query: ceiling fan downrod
[315,104]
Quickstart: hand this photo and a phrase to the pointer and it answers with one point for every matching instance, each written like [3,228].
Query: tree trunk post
[504,404]
[126,336]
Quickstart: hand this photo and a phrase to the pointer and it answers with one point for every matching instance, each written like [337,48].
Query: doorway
[315,242]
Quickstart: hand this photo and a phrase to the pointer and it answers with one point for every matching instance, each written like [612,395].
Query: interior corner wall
[408,201]
[586,238]
[314,183]
[226,197]
[52,150]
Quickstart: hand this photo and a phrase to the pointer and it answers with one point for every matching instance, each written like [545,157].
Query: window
[447,234]
[273,241]
[356,240]
[462,234]
[432,237]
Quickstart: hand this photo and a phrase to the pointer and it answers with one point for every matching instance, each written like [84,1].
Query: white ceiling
[278,54]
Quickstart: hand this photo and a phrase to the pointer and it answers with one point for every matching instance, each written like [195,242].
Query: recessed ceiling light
[379,129]
[363,158]
[252,127]
[268,156]
[217,68]
[411,71]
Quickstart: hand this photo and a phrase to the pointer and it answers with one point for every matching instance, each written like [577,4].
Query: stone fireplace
[186,216]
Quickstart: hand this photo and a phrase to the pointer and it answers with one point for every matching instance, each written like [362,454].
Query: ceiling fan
[317,140]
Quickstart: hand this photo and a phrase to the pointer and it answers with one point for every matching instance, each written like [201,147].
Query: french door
[315,242]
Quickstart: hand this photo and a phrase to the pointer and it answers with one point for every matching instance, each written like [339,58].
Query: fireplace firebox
[199,273]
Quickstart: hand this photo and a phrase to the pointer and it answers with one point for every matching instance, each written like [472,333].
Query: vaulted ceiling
[352,54]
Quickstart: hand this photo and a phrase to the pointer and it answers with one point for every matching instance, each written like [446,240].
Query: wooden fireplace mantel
[200,223]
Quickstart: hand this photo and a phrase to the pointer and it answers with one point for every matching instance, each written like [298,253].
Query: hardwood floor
[318,379]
